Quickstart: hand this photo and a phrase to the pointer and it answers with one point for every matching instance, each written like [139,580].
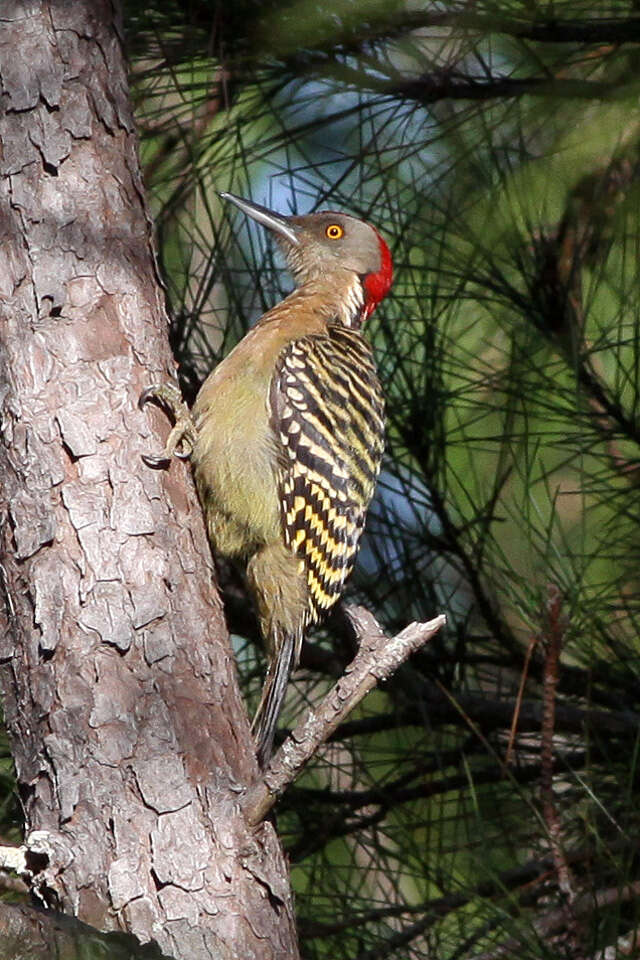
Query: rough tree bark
[129,735]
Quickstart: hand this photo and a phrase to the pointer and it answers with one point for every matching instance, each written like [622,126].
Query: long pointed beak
[268,218]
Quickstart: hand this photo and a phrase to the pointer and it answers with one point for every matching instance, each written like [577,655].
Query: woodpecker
[286,436]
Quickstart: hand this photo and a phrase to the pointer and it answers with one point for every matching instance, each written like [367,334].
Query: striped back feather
[327,415]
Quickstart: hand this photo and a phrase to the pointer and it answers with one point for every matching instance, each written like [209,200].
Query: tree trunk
[130,738]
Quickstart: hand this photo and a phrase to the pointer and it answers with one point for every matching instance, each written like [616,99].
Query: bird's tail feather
[275,687]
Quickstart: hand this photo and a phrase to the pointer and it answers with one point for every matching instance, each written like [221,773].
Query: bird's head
[326,245]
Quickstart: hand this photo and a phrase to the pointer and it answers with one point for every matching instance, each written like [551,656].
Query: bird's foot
[182,438]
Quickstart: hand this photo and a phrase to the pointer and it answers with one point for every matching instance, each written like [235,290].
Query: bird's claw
[182,437]
[166,395]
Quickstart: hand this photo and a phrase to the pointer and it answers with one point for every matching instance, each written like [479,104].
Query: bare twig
[516,713]
[377,658]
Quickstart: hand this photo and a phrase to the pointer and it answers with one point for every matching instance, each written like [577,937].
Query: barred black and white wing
[327,414]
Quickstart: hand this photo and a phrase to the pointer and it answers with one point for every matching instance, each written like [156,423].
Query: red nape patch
[377,285]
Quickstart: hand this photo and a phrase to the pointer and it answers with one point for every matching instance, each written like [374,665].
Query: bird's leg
[183,435]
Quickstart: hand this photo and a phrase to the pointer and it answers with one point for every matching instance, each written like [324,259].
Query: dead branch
[377,658]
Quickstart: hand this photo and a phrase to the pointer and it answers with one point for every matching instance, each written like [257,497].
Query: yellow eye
[334,231]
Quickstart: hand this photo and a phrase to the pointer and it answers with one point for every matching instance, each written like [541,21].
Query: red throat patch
[377,285]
